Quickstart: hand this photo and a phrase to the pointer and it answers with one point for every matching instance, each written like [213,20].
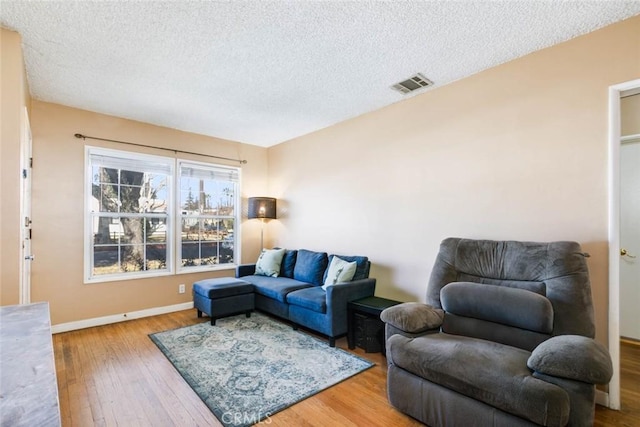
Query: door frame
[25,207]
[615,135]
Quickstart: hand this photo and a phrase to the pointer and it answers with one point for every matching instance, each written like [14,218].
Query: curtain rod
[81,136]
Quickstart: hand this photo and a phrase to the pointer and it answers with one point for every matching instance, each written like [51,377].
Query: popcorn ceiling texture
[263,72]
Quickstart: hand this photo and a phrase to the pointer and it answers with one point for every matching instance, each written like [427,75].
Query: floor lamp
[262,208]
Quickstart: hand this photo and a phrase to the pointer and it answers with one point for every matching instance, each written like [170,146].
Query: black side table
[364,327]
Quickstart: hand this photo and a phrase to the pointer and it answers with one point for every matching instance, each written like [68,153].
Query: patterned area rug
[246,370]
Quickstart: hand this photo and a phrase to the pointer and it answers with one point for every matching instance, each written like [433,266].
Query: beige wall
[515,152]
[14,97]
[630,115]
[58,215]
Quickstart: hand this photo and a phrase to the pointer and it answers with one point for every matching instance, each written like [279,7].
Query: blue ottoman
[223,297]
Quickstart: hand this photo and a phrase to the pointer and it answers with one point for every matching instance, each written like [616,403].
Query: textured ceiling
[263,72]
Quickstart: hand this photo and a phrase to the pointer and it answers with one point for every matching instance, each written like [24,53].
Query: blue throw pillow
[288,263]
[310,266]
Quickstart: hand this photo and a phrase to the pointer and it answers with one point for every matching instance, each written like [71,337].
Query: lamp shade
[262,207]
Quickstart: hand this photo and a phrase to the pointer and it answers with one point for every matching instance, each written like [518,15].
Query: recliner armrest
[245,270]
[413,317]
[574,357]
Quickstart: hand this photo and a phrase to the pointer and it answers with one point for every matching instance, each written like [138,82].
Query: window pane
[131,177]
[132,258]
[210,230]
[226,228]
[130,199]
[132,230]
[189,196]
[226,252]
[104,175]
[104,231]
[190,229]
[226,198]
[209,253]
[190,254]
[105,260]
[207,196]
[156,257]
[156,230]
[219,197]
[104,198]
[154,193]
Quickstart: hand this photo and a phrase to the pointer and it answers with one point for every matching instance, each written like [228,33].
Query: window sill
[122,277]
[134,276]
[191,270]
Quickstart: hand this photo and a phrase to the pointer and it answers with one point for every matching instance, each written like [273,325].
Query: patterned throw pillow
[339,271]
[269,261]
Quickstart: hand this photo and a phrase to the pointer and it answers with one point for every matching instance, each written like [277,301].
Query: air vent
[412,84]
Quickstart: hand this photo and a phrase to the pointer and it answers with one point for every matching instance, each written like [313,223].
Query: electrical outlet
[181,288]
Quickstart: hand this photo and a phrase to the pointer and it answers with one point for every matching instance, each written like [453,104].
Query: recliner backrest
[555,271]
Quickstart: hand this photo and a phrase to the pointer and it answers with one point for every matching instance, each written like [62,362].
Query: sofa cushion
[491,331]
[313,298]
[339,271]
[288,263]
[275,288]
[269,261]
[529,285]
[490,372]
[362,265]
[310,266]
[222,287]
[508,306]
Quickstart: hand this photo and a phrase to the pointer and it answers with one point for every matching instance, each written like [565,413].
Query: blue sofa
[296,294]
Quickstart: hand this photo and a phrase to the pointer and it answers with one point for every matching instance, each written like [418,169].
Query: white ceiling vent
[413,83]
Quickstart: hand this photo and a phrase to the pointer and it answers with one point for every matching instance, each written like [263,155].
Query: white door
[630,239]
[25,210]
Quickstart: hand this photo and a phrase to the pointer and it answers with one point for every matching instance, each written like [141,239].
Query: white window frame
[173,217]
[88,221]
[178,218]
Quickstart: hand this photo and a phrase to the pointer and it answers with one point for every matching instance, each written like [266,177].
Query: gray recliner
[506,338]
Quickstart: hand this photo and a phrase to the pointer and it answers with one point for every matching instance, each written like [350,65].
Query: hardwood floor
[629,413]
[115,376]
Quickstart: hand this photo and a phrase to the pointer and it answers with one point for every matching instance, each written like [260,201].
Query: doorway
[616,93]
[630,227]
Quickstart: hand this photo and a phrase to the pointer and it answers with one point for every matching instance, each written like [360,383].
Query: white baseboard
[602,398]
[115,318]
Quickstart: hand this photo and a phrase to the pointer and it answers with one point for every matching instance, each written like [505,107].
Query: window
[133,214]
[208,200]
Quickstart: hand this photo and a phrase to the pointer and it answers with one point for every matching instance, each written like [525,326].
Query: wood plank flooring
[115,376]
[629,413]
